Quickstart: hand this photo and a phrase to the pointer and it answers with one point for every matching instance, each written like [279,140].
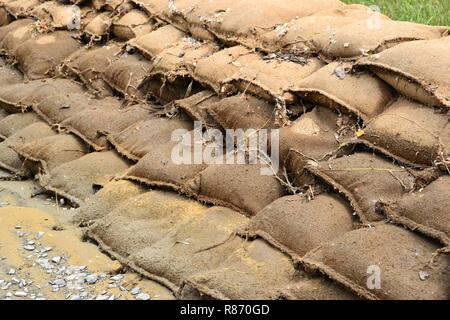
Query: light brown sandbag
[370,36]
[12,123]
[240,69]
[362,94]
[21,8]
[422,76]
[103,202]
[9,75]
[409,132]
[364,179]
[99,27]
[404,259]
[197,106]
[58,15]
[39,57]
[425,210]
[133,24]
[15,38]
[14,26]
[5,17]
[75,180]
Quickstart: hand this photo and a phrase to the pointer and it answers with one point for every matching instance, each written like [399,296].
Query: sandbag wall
[90,95]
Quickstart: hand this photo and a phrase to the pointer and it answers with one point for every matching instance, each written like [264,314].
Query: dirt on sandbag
[75,180]
[105,201]
[51,152]
[335,86]
[425,210]
[12,123]
[143,137]
[197,106]
[422,76]
[410,133]
[201,244]
[10,159]
[406,262]
[107,116]
[349,175]
[9,75]
[38,58]
[296,225]
[133,24]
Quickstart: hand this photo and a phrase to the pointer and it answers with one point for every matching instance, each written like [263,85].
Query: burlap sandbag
[240,187]
[295,225]
[10,159]
[143,137]
[240,69]
[14,26]
[105,201]
[425,211]
[5,17]
[99,27]
[244,112]
[14,39]
[296,36]
[372,36]
[335,87]
[39,57]
[197,106]
[155,42]
[109,5]
[253,272]
[404,259]
[107,117]
[9,75]
[21,8]
[51,152]
[90,64]
[133,24]
[58,15]
[75,180]
[142,220]
[12,123]
[422,76]
[409,132]
[197,246]
[364,179]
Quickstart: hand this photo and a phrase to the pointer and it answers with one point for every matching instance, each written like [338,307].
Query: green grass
[433,12]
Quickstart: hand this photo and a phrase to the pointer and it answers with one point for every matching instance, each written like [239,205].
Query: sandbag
[90,64]
[10,159]
[145,136]
[133,24]
[59,16]
[142,220]
[361,94]
[15,38]
[404,259]
[197,106]
[51,152]
[409,132]
[422,76]
[12,123]
[365,37]
[5,17]
[14,26]
[349,175]
[99,26]
[239,69]
[253,272]
[75,180]
[21,8]
[155,42]
[9,75]
[107,117]
[295,225]
[425,210]
[105,201]
[239,187]
[39,57]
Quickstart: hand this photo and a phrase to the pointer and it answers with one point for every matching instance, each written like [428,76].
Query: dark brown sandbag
[10,159]
[39,57]
[99,27]
[9,75]
[403,259]
[90,64]
[254,272]
[197,246]
[240,187]
[197,106]
[75,180]
[51,152]
[12,123]
[364,179]
[132,25]
[422,76]
[93,124]
[295,225]
[145,136]
[142,220]
[21,8]
[5,30]
[362,94]
[240,69]
[105,201]
[109,5]
[425,211]
[365,37]
[3,115]
[5,17]
[409,132]
[244,112]
[296,36]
